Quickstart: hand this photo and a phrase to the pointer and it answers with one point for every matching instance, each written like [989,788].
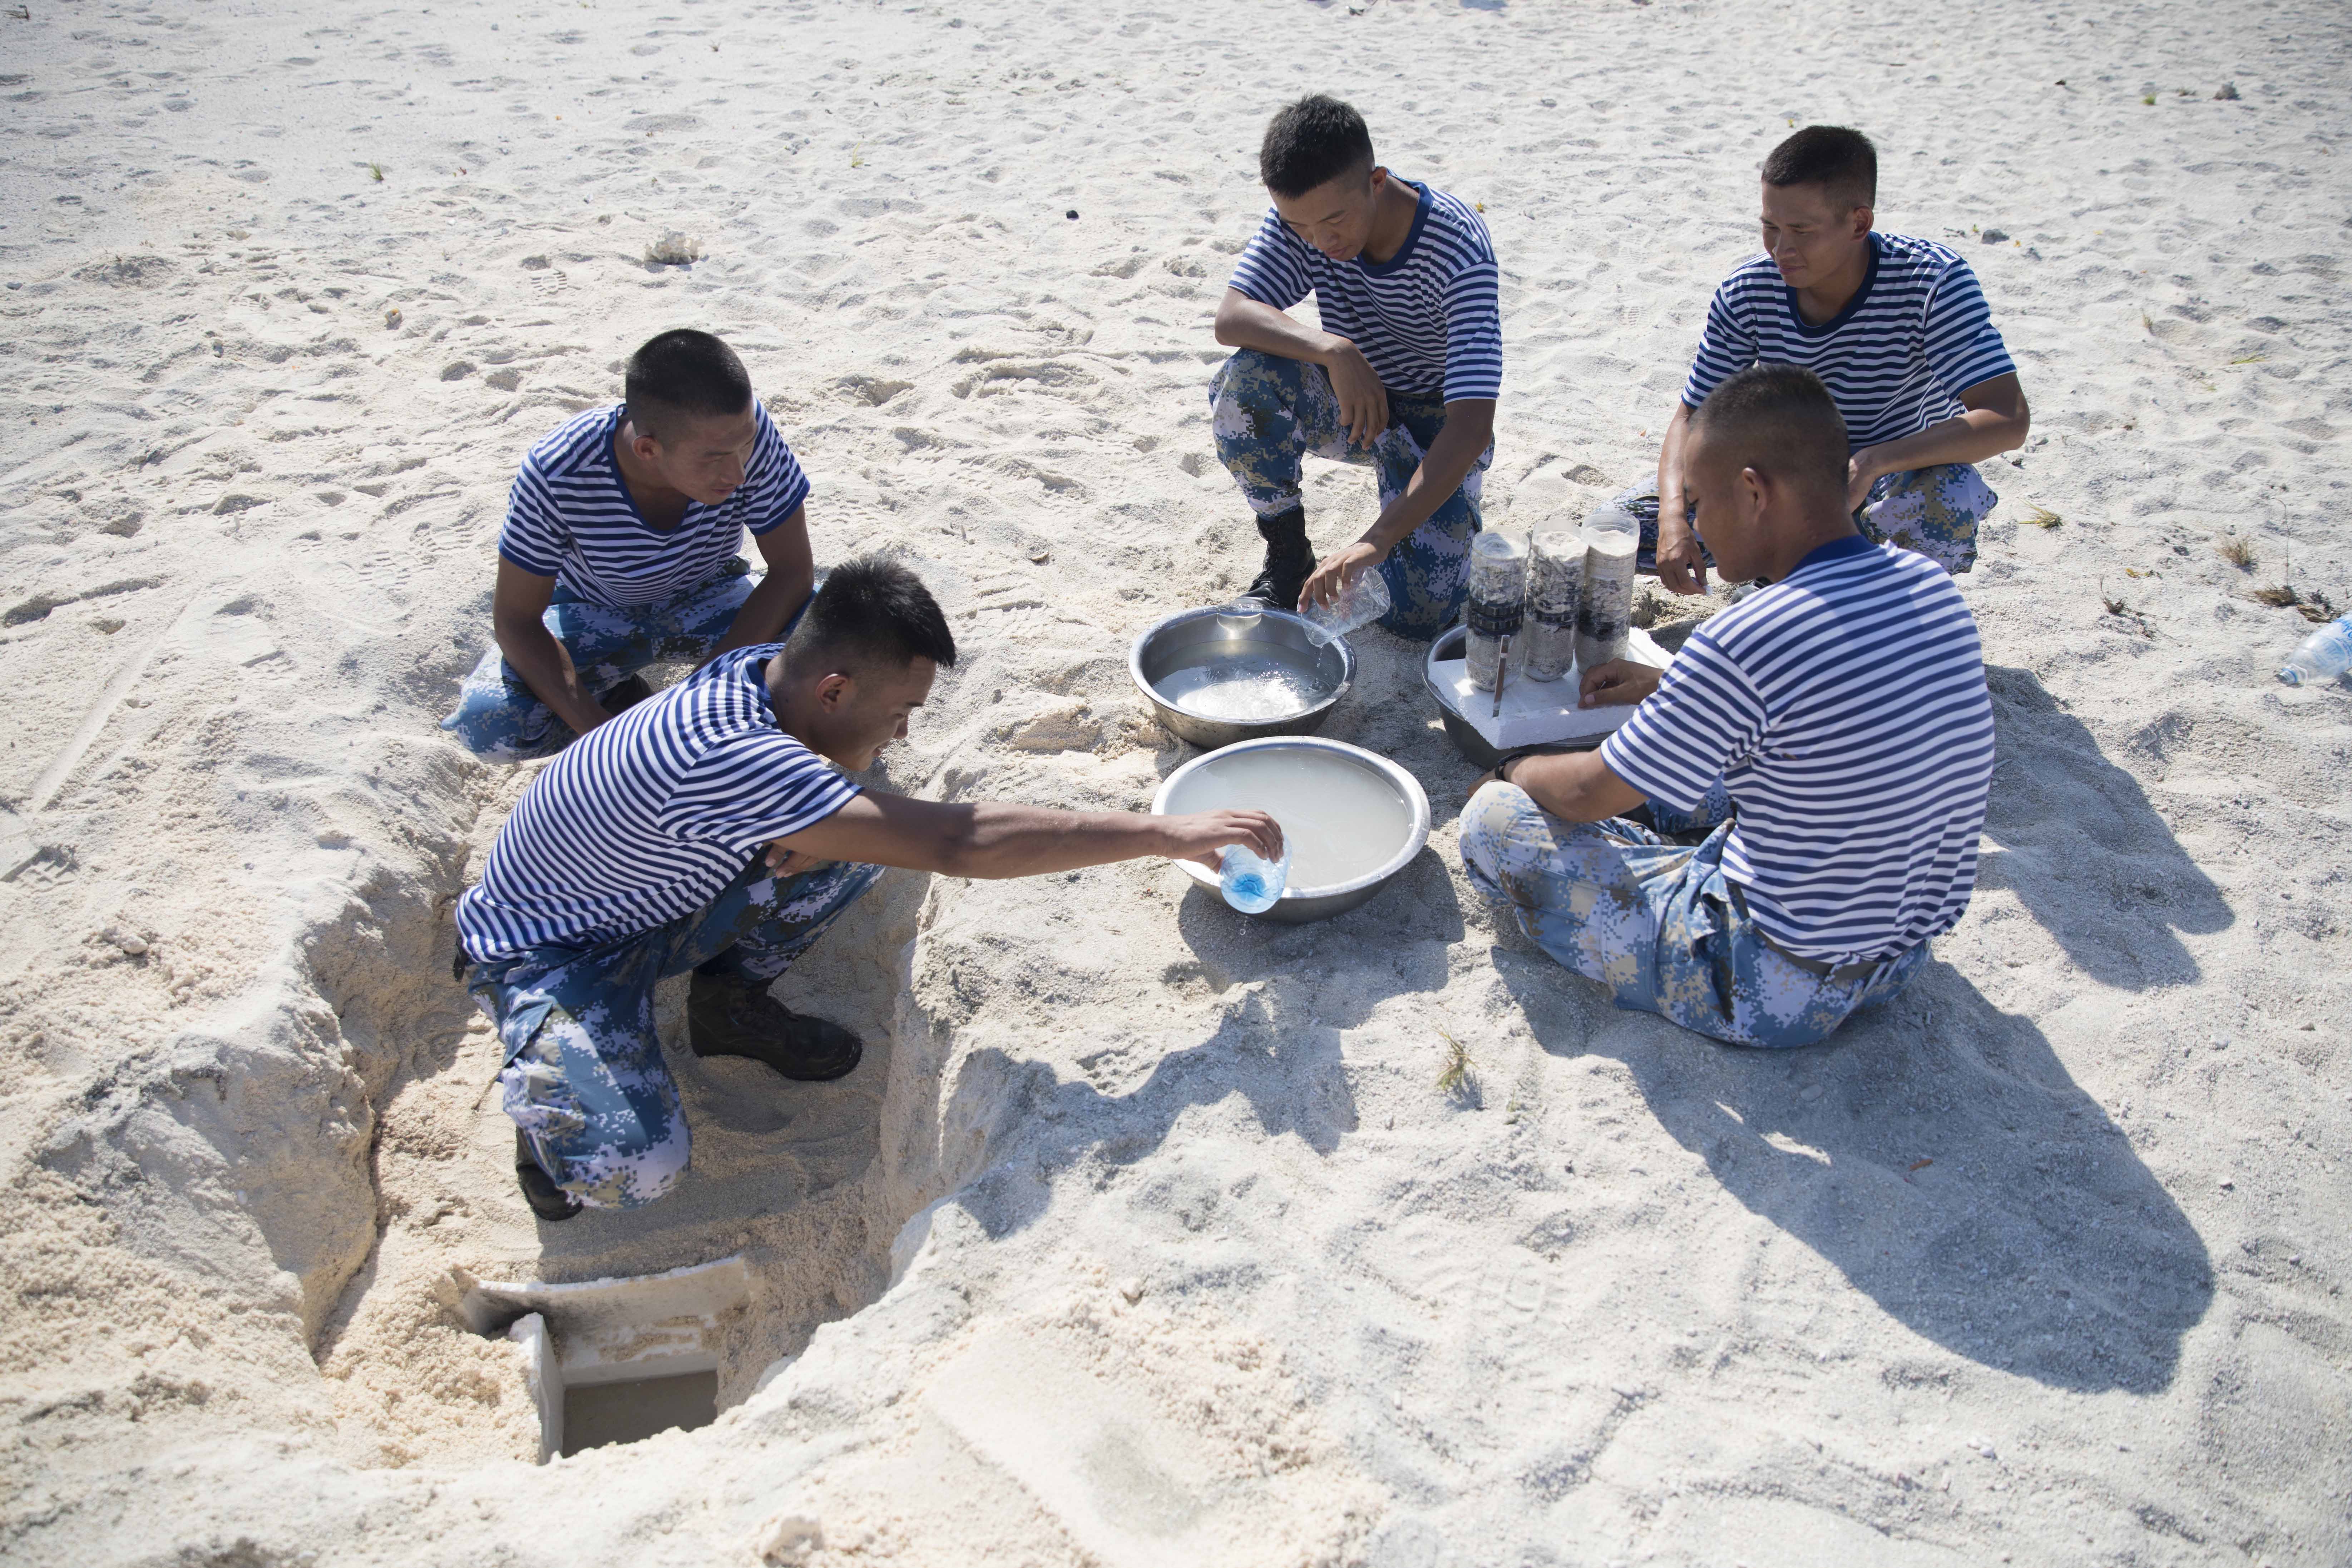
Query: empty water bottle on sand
[2323,656]
[1358,605]
[1251,883]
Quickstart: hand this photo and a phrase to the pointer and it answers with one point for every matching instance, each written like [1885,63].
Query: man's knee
[1489,823]
[497,731]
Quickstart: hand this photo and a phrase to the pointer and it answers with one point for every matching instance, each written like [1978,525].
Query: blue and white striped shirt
[1427,317]
[1915,335]
[648,816]
[1845,708]
[571,517]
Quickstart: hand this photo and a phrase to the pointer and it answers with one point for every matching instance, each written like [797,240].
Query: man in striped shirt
[703,831]
[1896,327]
[1403,374]
[620,544]
[1841,713]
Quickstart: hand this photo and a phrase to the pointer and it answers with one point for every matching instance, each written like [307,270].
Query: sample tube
[1604,616]
[1555,573]
[1498,598]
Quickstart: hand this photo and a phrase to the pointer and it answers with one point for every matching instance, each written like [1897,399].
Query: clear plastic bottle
[1358,604]
[1604,616]
[1250,882]
[1498,603]
[2323,656]
[1555,577]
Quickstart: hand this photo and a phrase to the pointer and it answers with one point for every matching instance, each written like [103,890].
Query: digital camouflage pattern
[1268,413]
[1656,922]
[584,1078]
[1934,512]
[501,719]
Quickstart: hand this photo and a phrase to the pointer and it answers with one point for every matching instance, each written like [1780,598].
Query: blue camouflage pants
[1657,922]
[1932,512]
[1268,413]
[584,1078]
[501,719]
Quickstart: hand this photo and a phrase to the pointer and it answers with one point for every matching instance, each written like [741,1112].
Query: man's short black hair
[683,372]
[1779,419]
[1313,143]
[1841,161]
[870,612]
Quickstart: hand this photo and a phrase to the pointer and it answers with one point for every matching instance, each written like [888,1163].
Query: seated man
[639,854]
[1841,710]
[620,549]
[1404,375]
[1897,330]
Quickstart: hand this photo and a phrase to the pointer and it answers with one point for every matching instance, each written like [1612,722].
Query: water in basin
[1342,820]
[1250,688]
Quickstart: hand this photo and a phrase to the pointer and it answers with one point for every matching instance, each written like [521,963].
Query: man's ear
[643,445]
[833,691]
[1755,492]
[1863,219]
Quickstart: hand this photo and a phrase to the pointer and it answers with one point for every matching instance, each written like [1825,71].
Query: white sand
[2043,1264]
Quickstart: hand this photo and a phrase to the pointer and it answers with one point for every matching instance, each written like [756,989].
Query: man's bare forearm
[546,669]
[1670,470]
[1968,436]
[762,617]
[1247,323]
[1443,469]
[1575,786]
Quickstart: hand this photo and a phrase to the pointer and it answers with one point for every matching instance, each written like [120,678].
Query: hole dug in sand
[615,1361]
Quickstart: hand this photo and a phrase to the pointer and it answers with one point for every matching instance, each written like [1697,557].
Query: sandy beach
[1146,1233]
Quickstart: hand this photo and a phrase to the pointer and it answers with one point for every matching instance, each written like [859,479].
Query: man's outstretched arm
[518,603]
[999,838]
[1682,569]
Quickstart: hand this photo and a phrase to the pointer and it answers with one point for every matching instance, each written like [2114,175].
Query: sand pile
[1147,1236]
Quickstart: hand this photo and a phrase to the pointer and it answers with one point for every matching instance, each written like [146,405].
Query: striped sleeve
[753,788]
[1473,332]
[781,487]
[1704,715]
[533,537]
[1725,348]
[1271,271]
[1963,347]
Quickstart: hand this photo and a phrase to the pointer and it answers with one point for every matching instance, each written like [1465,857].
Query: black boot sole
[548,1201]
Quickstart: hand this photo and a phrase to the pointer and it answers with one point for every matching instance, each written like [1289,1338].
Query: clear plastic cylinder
[1604,615]
[1498,604]
[1555,577]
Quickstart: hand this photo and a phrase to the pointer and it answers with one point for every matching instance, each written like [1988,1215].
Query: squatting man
[702,831]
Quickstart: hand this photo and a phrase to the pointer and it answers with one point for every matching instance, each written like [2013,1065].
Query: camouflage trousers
[501,719]
[1268,413]
[1657,922]
[584,1078]
[1932,512]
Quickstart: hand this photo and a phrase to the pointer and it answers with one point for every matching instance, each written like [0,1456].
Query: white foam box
[1539,712]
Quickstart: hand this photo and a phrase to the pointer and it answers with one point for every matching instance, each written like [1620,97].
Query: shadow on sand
[2076,837]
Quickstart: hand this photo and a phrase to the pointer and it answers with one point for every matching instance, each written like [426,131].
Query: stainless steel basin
[1301,904]
[1227,631]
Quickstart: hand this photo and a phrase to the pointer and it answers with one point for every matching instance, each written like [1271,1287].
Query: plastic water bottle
[1251,883]
[2325,655]
[1358,604]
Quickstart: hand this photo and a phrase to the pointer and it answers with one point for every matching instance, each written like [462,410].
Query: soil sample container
[1555,578]
[1498,603]
[1604,615]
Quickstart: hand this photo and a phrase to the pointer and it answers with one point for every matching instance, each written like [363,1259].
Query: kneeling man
[702,830]
[1403,374]
[619,550]
[1833,729]
[1896,327]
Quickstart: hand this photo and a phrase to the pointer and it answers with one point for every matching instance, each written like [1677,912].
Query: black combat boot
[726,1016]
[1289,558]
[548,1201]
